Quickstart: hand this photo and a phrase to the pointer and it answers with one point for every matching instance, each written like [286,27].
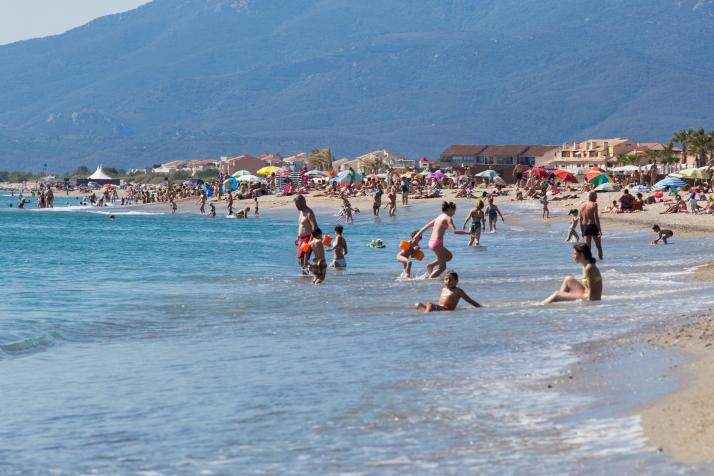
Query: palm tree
[701,145]
[684,138]
[321,159]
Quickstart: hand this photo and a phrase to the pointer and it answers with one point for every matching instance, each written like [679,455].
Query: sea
[158,344]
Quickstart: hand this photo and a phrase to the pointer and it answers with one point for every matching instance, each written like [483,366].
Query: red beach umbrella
[565,176]
[539,172]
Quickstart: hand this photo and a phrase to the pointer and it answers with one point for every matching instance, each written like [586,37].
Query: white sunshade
[99,175]
[241,173]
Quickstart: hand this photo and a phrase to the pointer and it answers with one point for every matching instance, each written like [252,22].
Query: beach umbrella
[538,171]
[593,172]
[669,182]
[499,181]
[241,173]
[608,187]
[692,174]
[249,178]
[565,176]
[599,179]
[436,175]
[489,174]
[267,170]
[315,173]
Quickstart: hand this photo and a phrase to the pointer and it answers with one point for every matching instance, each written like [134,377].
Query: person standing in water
[493,213]
[436,243]
[476,216]
[590,223]
[589,288]
[306,224]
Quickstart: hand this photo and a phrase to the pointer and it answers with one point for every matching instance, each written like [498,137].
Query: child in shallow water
[573,225]
[319,264]
[404,256]
[450,296]
[663,235]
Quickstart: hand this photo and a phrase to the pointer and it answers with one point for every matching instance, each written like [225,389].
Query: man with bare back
[590,223]
[306,224]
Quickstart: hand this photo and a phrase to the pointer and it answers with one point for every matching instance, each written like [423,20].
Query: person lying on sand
[450,296]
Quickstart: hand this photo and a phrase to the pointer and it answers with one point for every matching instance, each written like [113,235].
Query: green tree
[701,144]
[684,139]
[320,159]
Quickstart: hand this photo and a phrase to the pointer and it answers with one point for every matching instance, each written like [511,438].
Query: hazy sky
[23,19]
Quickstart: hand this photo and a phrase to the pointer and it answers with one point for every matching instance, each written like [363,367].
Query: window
[565,153]
[526,160]
[480,159]
[504,160]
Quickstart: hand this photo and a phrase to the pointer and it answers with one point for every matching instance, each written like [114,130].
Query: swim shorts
[319,269]
[591,230]
[341,263]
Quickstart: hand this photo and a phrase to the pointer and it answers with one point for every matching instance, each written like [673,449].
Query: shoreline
[681,424]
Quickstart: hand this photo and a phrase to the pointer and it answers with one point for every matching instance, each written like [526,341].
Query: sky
[23,19]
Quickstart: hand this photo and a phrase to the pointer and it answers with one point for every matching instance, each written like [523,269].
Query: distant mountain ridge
[192,79]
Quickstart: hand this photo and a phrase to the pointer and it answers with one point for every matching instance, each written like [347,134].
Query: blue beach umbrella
[670,182]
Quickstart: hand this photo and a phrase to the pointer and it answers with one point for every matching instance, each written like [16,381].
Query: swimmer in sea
[319,264]
[339,248]
[243,213]
[404,256]
[212,212]
[436,243]
[450,296]
[589,288]
[476,216]
[493,213]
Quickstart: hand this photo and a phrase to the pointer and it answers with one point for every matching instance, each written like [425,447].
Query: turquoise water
[161,344]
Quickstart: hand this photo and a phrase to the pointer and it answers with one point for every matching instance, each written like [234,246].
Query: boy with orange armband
[319,265]
[409,249]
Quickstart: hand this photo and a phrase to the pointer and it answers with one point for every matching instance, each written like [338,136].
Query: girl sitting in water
[436,243]
[589,288]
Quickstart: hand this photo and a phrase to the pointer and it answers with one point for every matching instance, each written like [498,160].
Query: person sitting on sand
[450,296]
[436,243]
[589,288]
[614,208]
[676,207]
[627,202]
[663,235]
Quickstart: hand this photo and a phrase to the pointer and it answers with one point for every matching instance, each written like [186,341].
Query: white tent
[99,175]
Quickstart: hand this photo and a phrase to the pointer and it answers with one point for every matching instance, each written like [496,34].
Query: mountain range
[195,79]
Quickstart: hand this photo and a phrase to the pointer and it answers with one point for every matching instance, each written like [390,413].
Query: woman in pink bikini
[436,243]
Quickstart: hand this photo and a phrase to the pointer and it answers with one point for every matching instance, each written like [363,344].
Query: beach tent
[99,177]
